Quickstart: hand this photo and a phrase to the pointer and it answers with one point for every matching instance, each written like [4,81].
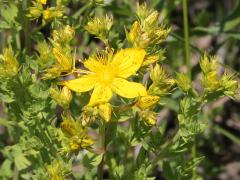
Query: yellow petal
[128,89]
[101,94]
[62,59]
[128,61]
[93,65]
[82,84]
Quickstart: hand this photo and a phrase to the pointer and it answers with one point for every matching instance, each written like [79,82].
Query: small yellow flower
[108,75]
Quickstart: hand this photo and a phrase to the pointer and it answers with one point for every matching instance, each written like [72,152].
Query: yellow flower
[108,74]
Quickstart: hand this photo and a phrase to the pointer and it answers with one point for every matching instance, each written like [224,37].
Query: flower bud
[211,82]
[64,35]
[52,12]
[77,143]
[157,73]
[100,27]
[208,64]
[56,170]
[89,115]
[146,102]
[229,85]
[149,117]
[69,127]
[8,63]
[61,97]
[45,54]
[105,111]
[151,20]
[134,32]
[35,11]
[142,11]
[183,82]
[152,58]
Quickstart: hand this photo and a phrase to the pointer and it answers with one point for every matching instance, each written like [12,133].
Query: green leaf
[91,160]
[168,171]
[6,170]
[9,13]
[141,158]
[21,162]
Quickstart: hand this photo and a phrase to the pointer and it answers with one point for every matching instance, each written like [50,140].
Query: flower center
[106,76]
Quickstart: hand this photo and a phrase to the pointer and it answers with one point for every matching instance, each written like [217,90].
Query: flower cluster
[214,85]
[76,137]
[100,27]
[212,82]
[48,14]
[148,34]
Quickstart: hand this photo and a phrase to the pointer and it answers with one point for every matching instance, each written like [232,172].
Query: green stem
[194,155]
[186,37]
[226,133]
[27,33]
[188,63]
[102,131]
